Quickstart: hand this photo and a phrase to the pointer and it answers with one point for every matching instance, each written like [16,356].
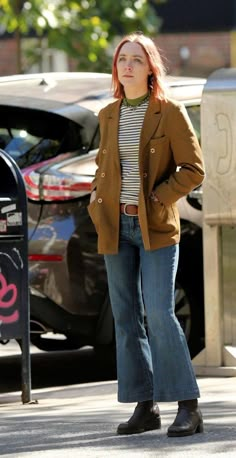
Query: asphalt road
[80,419]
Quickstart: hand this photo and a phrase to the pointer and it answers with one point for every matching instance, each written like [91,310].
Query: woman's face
[133,68]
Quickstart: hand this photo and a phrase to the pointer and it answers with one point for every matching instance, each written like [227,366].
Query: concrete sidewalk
[81,421]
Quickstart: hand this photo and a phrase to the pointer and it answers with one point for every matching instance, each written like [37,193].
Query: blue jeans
[159,366]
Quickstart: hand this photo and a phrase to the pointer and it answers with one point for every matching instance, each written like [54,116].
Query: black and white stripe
[131,121]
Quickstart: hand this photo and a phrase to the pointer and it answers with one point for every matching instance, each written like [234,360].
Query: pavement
[81,421]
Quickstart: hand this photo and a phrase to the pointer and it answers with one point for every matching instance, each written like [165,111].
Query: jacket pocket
[159,144]
[161,218]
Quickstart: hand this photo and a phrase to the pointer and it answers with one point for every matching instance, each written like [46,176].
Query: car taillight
[45,257]
[56,185]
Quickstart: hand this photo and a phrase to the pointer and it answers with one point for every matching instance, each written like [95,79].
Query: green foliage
[83,29]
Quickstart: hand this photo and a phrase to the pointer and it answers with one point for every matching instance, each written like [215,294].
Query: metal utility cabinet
[218,134]
[14,295]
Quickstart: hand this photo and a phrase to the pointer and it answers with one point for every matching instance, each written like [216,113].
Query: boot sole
[147,427]
[199,429]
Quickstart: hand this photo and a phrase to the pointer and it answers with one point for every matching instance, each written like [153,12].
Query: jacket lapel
[151,121]
[113,126]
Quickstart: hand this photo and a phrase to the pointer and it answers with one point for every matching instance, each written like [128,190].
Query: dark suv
[49,125]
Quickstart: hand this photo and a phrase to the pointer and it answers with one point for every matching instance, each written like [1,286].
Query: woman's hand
[154,197]
[93,196]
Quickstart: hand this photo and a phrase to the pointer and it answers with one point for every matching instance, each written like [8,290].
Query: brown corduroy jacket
[170,163]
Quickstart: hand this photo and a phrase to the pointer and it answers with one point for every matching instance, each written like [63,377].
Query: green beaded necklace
[135,102]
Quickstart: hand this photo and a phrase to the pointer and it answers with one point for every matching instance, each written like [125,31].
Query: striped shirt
[130,125]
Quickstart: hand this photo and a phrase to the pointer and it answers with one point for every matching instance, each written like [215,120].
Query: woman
[149,157]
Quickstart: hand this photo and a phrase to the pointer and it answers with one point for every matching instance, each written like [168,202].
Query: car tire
[190,289]
[190,317]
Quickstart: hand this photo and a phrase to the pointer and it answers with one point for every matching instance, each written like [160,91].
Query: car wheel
[190,318]
[189,294]
[183,310]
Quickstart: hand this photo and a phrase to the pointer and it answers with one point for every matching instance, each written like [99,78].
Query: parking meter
[14,291]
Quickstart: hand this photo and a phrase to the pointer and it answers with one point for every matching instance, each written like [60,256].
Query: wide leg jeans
[157,366]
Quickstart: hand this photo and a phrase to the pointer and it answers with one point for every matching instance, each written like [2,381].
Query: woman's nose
[129,66]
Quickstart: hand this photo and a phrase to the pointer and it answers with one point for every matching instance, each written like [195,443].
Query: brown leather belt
[129,209]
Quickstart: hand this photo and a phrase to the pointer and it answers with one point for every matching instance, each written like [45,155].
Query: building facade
[195,38]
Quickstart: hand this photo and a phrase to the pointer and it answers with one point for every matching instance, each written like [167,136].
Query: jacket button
[100,200]
[145,175]
[104,151]
[103,174]
[152,150]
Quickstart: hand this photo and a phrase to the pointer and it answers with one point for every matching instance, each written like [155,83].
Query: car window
[194,114]
[27,149]
[17,141]
[33,136]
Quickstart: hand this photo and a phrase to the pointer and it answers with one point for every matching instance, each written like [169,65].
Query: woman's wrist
[92,196]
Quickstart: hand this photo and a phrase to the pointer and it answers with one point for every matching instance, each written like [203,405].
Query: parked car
[49,125]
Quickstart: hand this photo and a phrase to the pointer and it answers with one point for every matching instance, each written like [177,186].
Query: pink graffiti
[4,290]
[10,319]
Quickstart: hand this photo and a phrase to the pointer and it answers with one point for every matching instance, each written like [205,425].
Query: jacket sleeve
[187,156]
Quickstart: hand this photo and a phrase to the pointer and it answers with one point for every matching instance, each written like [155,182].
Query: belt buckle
[125,212]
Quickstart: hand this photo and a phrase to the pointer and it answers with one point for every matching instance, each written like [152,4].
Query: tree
[83,29]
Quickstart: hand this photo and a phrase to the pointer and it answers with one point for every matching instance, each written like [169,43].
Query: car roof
[186,89]
[66,93]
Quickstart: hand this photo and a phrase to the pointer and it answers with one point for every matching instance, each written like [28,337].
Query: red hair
[156,80]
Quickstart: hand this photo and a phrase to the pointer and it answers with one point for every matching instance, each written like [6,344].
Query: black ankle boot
[146,417]
[188,420]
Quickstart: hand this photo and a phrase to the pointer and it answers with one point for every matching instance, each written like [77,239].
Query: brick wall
[8,60]
[207,51]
